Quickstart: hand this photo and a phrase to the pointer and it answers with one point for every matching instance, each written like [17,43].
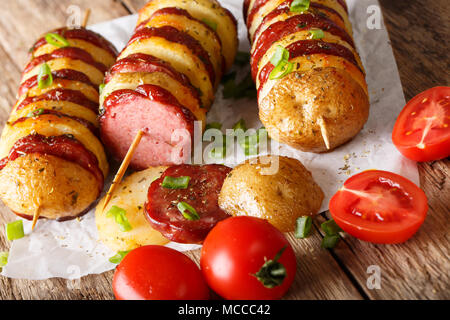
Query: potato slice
[51,125]
[58,187]
[131,81]
[203,10]
[180,58]
[94,75]
[90,92]
[131,195]
[98,54]
[65,107]
[207,38]
[274,188]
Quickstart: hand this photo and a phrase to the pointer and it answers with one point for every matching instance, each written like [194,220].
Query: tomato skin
[438,149]
[389,232]
[158,273]
[236,249]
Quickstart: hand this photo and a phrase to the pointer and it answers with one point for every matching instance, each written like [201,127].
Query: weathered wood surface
[419,269]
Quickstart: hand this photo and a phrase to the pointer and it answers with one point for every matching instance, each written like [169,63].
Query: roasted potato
[315,111]
[277,189]
[56,186]
[131,196]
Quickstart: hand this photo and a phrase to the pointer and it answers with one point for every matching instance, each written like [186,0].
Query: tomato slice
[422,131]
[379,207]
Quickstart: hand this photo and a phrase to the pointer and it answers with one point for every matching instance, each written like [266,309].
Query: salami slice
[201,194]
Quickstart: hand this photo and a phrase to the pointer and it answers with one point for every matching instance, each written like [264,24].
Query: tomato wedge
[422,131]
[379,207]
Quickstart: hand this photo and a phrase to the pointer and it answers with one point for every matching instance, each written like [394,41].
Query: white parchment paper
[71,250]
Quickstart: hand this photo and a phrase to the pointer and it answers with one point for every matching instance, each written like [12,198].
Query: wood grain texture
[418,269]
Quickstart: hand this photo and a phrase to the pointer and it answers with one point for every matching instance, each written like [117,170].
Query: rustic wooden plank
[22,22]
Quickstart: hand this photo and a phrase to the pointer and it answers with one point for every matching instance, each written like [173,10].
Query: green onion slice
[300,5]
[214,125]
[3,259]
[14,230]
[330,242]
[240,125]
[280,55]
[118,257]
[188,211]
[45,72]
[211,24]
[56,40]
[303,229]
[101,88]
[36,113]
[176,182]
[120,215]
[331,228]
[282,70]
[316,34]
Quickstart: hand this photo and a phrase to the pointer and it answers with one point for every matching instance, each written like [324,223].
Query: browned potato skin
[280,198]
[293,109]
[61,189]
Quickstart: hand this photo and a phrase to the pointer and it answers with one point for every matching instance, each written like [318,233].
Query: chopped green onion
[118,257]
[36,113]
[242,58]
[45,71]
[280,55]
[300,5]
[213,125]
[330,242]
[303,229]
[56,40]
[219,152]
[176,182]
[240,125]
[211,24]
[14,230]
[234,90]
[3,259]
[188,211]
[331,228]
[101,88]
[119,215]
[316,34]
[282,70]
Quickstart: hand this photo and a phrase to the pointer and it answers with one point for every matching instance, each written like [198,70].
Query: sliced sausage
[202,194]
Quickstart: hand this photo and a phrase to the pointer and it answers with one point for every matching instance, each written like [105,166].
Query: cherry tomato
[379,207]
[158,273]
[246,258]
[422,131]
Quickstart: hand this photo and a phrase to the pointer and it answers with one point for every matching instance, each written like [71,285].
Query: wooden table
[418,269]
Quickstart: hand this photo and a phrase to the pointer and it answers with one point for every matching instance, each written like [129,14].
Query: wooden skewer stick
[324,131]
[123,168]
[36,216]
[87,14]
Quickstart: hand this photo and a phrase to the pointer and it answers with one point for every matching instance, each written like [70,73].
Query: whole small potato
[279,194]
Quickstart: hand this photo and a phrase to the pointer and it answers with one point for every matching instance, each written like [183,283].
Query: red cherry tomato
[422,131]
[158,273]
[379,207]
[242,253]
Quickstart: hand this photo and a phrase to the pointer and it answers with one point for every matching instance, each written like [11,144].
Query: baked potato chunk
[315,111]
[277,189]
[56,186]
[180,58]
[131,196]
[203,10]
